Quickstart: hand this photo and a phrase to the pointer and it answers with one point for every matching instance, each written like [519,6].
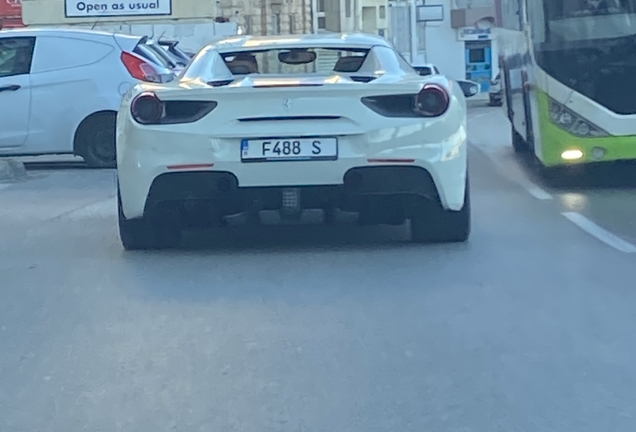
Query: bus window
[578,20]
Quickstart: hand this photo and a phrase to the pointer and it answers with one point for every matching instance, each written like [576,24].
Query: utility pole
[413,29]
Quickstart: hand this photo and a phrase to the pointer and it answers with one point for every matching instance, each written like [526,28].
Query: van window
[16,55]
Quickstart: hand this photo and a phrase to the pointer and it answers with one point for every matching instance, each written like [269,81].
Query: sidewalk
[480,100]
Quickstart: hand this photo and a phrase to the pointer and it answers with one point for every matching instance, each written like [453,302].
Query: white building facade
[345,16]
[455,35]
[191,21]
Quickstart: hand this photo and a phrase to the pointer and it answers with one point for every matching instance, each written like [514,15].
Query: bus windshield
[590,46]
[580,20]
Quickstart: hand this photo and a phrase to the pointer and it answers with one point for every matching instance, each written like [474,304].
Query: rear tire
[96,140]
[160,232]
[434,224]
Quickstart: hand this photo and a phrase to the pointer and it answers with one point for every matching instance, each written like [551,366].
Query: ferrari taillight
[147,109]
[432,101]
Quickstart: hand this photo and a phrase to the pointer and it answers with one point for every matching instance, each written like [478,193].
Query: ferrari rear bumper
[221,190]
[153,172]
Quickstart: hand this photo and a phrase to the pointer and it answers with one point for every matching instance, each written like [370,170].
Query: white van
[60,90]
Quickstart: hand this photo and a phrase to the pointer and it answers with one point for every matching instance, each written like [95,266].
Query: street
[530,326]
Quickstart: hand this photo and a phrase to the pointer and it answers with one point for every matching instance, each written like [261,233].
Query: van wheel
[95,140]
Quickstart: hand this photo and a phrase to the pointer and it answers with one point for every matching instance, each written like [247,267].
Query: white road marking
[4,186]
[509,173]
[483,124]
[536,191]
[600,233]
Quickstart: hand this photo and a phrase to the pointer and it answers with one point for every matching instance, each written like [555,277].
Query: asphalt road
[528,327]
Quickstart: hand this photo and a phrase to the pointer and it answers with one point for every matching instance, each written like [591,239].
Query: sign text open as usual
[88,8]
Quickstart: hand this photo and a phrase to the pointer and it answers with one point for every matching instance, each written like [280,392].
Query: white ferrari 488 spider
[290,123]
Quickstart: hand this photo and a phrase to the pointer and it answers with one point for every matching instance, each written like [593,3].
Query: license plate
[288,149]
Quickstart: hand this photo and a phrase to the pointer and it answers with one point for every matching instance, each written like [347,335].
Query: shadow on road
[305,237]
[295,238]
[612,175]
[56,166]
[490,130]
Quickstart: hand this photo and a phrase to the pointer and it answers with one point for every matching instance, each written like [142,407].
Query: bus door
[479,63]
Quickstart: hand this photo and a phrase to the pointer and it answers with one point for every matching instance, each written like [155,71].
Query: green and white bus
[568,73]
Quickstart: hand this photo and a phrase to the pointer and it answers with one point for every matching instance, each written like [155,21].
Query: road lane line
[4,186]
[536,191]
[600,233]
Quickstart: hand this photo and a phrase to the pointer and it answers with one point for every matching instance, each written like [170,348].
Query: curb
[479,103]
[11,169]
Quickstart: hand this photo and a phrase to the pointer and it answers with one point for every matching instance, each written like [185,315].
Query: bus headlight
[572,154]
[568,120]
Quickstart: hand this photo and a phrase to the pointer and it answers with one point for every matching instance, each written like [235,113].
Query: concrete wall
[373,15]
[254,16]
[346,16]
[269,17]
[442,47]
[440,44]
[46,12]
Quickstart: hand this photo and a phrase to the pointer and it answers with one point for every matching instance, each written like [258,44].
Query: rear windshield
[285,61]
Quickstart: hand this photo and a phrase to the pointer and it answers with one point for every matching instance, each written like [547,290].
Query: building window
[382,12]
[276,24]
[348,8]
[248,24]
[292,24]
[322,22]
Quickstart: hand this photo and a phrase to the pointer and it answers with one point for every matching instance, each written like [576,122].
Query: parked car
[427,69]
[60,90]
[173,62]
[496,92]
[470,88]
[172,47]
[151,51]
[246,128]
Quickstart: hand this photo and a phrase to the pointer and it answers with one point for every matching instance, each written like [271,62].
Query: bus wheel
[518,143]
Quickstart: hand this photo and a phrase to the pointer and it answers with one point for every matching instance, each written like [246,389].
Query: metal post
[314,16]
[413,29]
[356,16]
